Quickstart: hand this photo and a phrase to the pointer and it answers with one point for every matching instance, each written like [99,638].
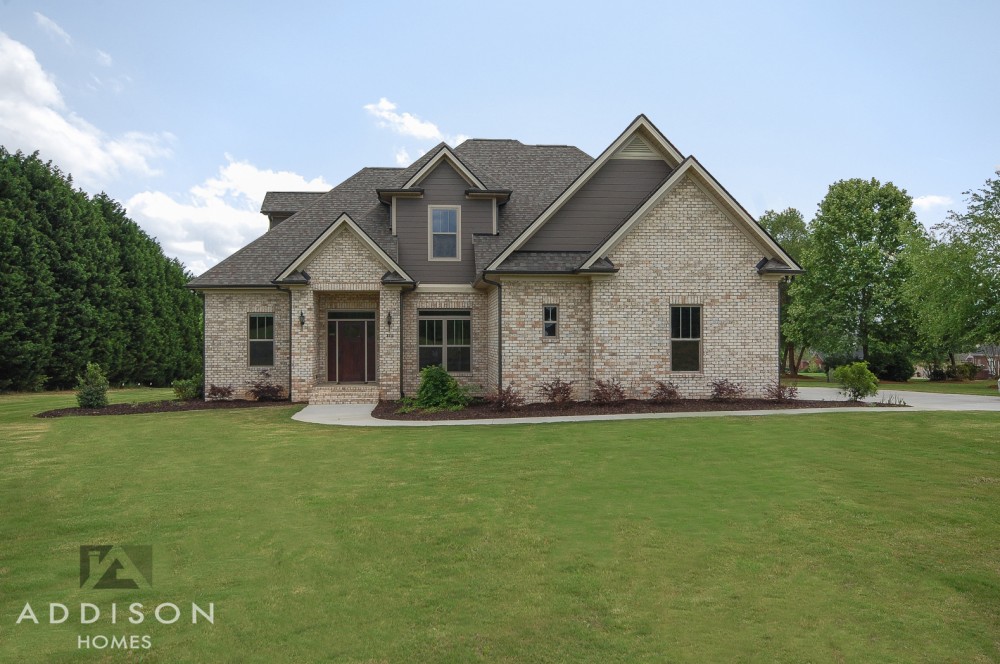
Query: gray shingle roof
[536,174]
[288,201]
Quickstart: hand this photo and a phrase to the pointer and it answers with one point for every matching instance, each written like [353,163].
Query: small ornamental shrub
[262,388]
[220,393]
[779,392]
[967,371]
[937,374]
[187,389]
[665,392]
[856,381]
[440,391]
[557,391]
[506,399]
[608,391]
[92,387]
[726,390]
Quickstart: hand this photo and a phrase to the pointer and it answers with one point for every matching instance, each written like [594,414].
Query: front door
[351,347]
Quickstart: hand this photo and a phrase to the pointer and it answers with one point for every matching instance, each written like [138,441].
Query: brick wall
[227,359]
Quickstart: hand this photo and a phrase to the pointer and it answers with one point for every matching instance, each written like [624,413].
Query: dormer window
[444,230]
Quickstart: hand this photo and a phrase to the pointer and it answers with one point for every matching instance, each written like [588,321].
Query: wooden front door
[351,348]
[351,351]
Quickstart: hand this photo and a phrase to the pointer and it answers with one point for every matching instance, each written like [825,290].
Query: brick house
[507,264]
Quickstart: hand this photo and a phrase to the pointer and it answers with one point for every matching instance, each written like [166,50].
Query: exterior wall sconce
[302,318]
[388,319]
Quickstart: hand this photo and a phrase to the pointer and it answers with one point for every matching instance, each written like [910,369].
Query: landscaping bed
[483,410]
[168,406]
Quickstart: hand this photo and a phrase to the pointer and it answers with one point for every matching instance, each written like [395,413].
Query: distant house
[507,264]
[986,358]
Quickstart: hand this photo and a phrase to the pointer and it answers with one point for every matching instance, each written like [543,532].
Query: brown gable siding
[599,206]
[442,186]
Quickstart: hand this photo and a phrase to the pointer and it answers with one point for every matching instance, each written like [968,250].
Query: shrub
[856,381]
[557,391]
[891,365]
[263,389]
[665,392]
[967,371]
[608,391]
[440,391]
[937,374]
[506,399]
[779,392]
[726,390]
[187,389]
[92,387]
[219,393]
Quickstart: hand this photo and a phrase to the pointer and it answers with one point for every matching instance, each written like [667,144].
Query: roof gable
[652,140]
[444,154]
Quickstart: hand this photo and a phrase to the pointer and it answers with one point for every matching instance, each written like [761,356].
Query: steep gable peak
[444,154]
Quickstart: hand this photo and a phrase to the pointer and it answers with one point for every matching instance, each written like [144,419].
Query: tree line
[879,287]
[81,282]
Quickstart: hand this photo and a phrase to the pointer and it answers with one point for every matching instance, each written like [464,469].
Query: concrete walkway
[359,415]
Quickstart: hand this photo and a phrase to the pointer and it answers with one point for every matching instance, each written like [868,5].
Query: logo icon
[106,566]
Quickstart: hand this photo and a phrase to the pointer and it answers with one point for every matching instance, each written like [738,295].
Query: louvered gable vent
[637,148]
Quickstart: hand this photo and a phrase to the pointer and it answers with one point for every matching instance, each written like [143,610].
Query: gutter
[291,322]
[499,286]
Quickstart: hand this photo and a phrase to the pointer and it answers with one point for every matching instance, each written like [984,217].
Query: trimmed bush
[187,389]
[92,387]
[608,391]
[665,392]
[506,399]
[779,392]
[220,393]
[262,388]
[856,381]
[891,365]
[557,391]
[726,390]
[440,391]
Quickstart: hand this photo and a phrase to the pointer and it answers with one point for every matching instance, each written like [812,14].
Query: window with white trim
[444,337]
[550,321]
[685,338]
[261,340]
[444,232]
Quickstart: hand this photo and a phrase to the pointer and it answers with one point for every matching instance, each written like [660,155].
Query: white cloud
[403,123]
[407,124]
[218,216]
[931,201]
[104,59]
[34,116]
[51,27]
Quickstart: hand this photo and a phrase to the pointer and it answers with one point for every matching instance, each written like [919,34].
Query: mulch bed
[386,410]
[171,406]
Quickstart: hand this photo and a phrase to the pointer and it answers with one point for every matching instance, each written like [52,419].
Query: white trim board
[343,220]
[444,154]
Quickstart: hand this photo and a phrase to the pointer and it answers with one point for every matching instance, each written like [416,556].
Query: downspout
[499,286]
[204,335]
[291,321]
[413,287]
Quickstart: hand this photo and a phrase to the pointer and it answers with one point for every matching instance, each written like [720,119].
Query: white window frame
[430,233]
[545,321]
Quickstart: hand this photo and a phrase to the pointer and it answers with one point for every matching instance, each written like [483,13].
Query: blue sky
[188,112]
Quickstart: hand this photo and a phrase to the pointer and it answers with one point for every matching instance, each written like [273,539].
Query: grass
[815,538]
[986,387]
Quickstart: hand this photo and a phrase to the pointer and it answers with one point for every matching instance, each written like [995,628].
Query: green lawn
[986,388]
[820,538]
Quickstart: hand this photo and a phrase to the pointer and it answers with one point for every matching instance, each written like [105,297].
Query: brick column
[303,344]
[388,343]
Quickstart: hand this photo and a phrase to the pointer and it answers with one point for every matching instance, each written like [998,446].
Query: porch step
[332,393]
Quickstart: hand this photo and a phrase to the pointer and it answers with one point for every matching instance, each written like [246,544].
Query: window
[261,340]
[550,320]
[685,338]
[445,338]
[444,231]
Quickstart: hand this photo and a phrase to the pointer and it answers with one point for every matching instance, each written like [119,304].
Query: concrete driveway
[359,415]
